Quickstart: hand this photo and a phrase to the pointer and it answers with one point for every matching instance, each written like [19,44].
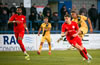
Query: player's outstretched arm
[13,22]
[62,35]
[25,26]
[39,31]
[9,22]
[90,25]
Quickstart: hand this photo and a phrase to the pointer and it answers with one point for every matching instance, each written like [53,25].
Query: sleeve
[72,19]
[49,26]
[63,28]
[41,26]
[12,18]
[84,17]
[24,20]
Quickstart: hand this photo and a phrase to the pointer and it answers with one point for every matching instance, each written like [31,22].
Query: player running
[46,27]
[71,30]
[80,20]
[19,21]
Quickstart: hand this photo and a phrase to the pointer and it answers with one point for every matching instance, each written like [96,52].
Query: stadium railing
[35,32]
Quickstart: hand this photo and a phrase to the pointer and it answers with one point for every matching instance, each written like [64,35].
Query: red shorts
[19,34]
[74,41]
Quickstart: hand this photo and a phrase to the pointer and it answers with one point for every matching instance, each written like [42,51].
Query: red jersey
[18,27]
[70,28]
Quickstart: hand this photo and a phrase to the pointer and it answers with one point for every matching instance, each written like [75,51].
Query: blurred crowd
[54,18]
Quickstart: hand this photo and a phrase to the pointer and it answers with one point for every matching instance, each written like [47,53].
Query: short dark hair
[45,17]
[67,15]
[55,13]
[92,5]
[19,7]
[73,11]
[64,5]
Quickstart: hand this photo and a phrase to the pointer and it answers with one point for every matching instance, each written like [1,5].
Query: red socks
[21,45]
[84,53]
[85,50]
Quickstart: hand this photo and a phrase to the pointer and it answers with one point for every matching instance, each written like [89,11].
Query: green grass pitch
[66,57]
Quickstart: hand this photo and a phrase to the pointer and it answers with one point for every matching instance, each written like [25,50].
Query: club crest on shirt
[22,18]
[73,27]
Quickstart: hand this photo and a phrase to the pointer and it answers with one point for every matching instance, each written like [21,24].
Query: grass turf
[66,57]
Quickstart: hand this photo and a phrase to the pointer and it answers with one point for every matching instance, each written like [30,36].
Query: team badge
[73,26]
[22,18]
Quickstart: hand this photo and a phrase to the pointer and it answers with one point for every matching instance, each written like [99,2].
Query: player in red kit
[19,21]
[71,30]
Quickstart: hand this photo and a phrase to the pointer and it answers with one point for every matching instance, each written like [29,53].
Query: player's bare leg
[40,48]
[49,48]
[23,48]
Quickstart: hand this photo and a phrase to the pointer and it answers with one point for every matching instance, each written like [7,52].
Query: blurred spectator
[66,13]
[13,9]
[40,16]
[99,20]
[23,9]
[33,10]
[83,14]
[32,18]
[4,18]
[83,10]
[10,26]
[55,18]
[12,12]
[49,17]
[40,19]
[74,8]
[63,11]
[46,10]
[1,8]
[93,14]
[5,7]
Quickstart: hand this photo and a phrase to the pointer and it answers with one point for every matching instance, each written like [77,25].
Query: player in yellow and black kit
[82,24]
[46,27]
